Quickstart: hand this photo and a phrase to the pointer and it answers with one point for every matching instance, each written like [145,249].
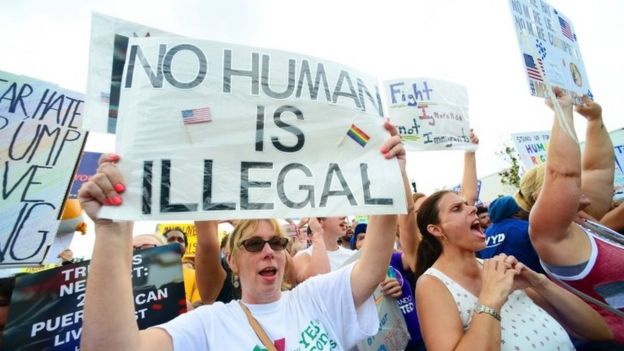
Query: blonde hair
[530,187]
[160,240]
[249,226]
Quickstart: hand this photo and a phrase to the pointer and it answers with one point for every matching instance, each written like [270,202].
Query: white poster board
[107,54]
[219,131]
[549,49]
[430,114]
[532,148]
[40,143]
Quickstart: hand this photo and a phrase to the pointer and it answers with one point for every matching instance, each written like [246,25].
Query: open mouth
[475,227]
[268,272]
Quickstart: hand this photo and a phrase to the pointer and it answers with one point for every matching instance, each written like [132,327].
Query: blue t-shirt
[511,237]
[406,303]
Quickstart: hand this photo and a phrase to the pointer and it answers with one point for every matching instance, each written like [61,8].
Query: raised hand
[393,147]
[104,188]
[589,109]
[564,99]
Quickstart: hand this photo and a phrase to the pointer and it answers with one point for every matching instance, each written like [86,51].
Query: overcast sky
[472,43]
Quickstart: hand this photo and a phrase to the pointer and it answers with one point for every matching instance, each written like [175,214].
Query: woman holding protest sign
[265,317]
[584,256]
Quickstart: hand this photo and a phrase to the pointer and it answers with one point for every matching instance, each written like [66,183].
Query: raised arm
[598,160]
[370,270]
[209,273]
[409,235]
[109,322]
[469,188]
[558,202]
[306,266]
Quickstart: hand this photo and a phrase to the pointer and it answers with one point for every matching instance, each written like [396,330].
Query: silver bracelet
[479,308]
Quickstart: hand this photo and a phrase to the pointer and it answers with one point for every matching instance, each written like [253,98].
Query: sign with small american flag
[549,49]
[198,115]
[227,133]
[533,71]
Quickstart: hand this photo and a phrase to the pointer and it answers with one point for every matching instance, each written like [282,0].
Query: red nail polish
[120,188]
[116,200]
[113,157]
[384,149]
[107,202]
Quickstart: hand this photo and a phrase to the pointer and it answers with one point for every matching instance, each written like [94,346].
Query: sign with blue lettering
[40,142]
[45,312]
[211,130]
[549,48]
[531,147]
[430,114]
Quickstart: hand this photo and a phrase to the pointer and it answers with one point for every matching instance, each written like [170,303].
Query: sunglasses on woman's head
[256,243]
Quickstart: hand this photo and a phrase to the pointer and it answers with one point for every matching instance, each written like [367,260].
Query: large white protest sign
[40,142]
[109,43]
[430,114]
[214,130]
[549,48]
[532,148]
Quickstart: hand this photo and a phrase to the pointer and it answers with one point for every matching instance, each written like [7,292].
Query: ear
[232,263]
[435,230]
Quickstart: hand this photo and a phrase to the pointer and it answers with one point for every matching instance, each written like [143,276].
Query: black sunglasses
[256,243]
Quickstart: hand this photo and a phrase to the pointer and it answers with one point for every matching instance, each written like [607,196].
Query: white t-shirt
[336,258]
[319,314]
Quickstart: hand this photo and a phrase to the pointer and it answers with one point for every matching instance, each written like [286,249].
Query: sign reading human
[549,49]
[211,130]
[40,142]
[532,148]
[46,308]
[429,114]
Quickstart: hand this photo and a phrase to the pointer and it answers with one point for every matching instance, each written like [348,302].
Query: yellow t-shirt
[190,286]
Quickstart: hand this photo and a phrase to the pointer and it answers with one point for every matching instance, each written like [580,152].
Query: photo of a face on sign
[576,75]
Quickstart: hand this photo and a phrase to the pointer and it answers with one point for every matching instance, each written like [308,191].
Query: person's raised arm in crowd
[109,320]
[552,234]
[306,266]
[210,274]
[469,188]
[598,164]
[371,268]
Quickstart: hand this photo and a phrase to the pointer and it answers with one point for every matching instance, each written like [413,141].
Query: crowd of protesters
[536,271]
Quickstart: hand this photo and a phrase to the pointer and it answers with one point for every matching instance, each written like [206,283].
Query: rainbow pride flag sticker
[358,135]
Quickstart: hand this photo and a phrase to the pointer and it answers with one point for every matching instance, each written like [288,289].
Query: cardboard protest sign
[86,169]
[46,307]
[430,114]
[109,43]
[532,148]
[549,49]
[40,142]
[219,131]
[188,229]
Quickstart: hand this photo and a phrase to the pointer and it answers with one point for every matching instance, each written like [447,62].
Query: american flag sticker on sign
[198,115]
